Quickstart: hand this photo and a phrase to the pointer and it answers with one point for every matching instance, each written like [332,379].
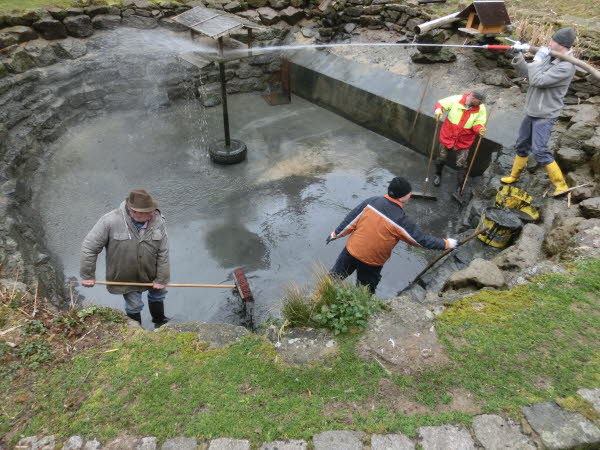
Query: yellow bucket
[514,198]
[503,226]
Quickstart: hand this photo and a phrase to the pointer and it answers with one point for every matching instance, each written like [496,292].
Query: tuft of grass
[295,308]
[340,306]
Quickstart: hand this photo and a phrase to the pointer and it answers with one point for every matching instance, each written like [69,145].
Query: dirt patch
[390,395]
[462,401]
[543,384]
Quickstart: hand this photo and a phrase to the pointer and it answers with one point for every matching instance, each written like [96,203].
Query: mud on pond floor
[306,169]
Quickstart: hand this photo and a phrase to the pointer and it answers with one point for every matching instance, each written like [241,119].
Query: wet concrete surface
[306,169]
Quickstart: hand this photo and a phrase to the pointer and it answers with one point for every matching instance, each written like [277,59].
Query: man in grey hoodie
[137,250]
[549,79]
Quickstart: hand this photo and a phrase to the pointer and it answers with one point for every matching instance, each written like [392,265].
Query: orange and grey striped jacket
[376,226]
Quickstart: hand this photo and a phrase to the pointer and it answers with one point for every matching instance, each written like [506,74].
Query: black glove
[330,238]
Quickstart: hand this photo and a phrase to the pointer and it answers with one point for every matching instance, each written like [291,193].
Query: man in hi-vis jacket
[375,227]
[465,120]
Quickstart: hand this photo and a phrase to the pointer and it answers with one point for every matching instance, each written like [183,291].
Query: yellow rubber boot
[556,177]
[517,168]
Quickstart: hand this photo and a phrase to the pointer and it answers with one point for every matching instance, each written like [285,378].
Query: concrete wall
[381,101]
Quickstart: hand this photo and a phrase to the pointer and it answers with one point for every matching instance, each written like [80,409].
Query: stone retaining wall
[46,85]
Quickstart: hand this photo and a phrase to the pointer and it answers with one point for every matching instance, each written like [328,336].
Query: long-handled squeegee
[241,285]
[425,194]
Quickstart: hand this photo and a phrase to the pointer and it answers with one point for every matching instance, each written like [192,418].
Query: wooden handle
[412,130]
[464,241]
[437,126]
[487,119]
[577,62]
[126,283]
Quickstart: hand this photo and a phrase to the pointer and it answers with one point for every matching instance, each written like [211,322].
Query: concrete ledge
[383,102]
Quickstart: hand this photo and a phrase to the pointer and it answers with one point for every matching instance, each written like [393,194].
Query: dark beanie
[479,95]
[565,37]
[399,187]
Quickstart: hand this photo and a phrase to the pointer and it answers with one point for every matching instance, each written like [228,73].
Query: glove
[541,54]
[482,131]
[330,238]
[438,113]
[88,283]
[452,243]
[518,47]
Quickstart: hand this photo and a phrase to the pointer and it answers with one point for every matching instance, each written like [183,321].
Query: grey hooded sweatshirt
[131,255]
[549,81]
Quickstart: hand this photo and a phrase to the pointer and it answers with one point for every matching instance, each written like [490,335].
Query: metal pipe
[224,103]
[436,23]
[224,96]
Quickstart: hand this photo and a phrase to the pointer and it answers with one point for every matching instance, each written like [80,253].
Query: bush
[340,306]
[349,310]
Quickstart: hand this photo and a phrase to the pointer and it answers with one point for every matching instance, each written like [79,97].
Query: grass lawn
[553,9]
[507,348]
[8,5]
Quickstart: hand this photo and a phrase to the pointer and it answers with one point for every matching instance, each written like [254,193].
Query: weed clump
[340,306]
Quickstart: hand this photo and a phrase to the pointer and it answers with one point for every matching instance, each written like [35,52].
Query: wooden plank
[571,189]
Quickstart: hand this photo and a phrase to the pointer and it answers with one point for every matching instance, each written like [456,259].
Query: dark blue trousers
[534,135]
[366,275]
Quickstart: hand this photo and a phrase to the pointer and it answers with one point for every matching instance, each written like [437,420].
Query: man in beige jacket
[137,250]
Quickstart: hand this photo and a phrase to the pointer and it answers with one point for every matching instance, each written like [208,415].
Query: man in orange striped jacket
[466,119]
[376,226]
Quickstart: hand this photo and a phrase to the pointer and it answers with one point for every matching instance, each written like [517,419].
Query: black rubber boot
[157,311]
[135,316]
[439,168]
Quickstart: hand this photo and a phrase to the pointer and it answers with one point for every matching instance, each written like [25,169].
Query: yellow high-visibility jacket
[461,125]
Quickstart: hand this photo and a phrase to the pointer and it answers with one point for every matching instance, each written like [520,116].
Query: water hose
[595,73]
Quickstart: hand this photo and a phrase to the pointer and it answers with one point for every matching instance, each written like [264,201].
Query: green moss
[580,405]
[488,307]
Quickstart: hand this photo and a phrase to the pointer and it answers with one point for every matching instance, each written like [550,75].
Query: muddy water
[306,169]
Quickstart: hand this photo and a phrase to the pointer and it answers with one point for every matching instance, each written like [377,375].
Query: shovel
[446,252]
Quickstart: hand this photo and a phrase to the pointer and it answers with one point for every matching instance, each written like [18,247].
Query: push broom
[241,285]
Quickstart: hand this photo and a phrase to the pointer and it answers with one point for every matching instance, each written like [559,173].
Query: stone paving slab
[37,443]
[445,437]
[337,440]
[496,433]
[180,443]
[592,396]
[229,444]
[559,429]
[134,443]
[93,444]
[291,444]
[73,443]
[391,442]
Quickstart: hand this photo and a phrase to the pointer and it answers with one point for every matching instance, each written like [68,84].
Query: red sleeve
[438,106]
[476,128]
